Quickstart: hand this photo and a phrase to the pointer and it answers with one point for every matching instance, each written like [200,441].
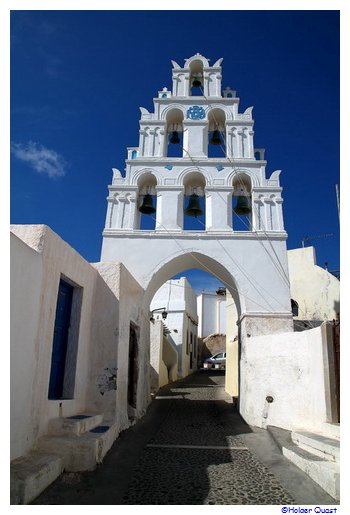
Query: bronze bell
[216,138]
[242,206]
[193,207]
[196,82]
[174,138]
[147,206]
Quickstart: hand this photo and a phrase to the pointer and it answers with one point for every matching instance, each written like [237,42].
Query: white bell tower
[242,240]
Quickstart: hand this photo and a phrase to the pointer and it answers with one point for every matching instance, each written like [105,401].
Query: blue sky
[79,77]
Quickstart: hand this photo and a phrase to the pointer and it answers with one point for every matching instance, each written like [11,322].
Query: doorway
[60,340]
[133,366]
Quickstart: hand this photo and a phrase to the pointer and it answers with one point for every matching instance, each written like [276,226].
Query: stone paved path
[197,457]
[191,448]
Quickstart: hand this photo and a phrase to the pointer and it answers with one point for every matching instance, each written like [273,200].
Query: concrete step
[31,474]
[325,473]
[331,430]
[75,425]
[317,444]
[81,452]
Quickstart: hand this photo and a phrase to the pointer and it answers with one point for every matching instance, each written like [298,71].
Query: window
[295,308]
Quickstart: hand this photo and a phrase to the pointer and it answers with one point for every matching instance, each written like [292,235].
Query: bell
[174,138]
[242,206]
[193,208]
[196,82]
[147,206]
[216,138]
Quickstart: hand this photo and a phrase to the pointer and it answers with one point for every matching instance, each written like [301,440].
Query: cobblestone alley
[191,448]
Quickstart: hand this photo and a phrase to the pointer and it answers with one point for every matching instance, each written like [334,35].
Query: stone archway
[174,266]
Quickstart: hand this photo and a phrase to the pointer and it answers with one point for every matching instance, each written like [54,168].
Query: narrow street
[191,448]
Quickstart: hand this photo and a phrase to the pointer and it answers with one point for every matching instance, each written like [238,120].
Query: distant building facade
[179,300]
[315,292]
[211,309]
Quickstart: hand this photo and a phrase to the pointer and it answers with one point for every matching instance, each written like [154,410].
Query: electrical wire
[229,286]
[242,185]
[283,275]
[279,268]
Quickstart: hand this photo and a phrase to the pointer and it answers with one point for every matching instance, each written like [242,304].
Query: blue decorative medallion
[168,167]
[195,113]
[219,168]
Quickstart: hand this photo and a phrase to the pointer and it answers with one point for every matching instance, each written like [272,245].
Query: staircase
[73,444]
[314,453]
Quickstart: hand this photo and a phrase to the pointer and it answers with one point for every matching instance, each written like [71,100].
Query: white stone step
[320,445]
[81,452]
[31,474]
[75,425]
[331,430]
[325,473]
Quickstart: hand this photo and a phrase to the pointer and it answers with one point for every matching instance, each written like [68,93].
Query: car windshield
[217,356]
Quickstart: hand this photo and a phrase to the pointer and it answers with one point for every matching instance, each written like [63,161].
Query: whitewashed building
[315,292]
[76,348]
[178,299]
[211,309]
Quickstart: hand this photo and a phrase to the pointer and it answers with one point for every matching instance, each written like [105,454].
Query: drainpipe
[265,413]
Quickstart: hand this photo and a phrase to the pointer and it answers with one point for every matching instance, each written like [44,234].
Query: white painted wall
[179,300]
[212,314]
[54,258]
[232,354]
[39,258]
[293,369]
[26,280]
[316,291]
[163,357]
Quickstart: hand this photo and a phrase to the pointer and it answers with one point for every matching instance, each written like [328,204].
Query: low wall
[292,368]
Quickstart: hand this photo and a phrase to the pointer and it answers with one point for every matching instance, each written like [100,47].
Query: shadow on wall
[337,307]
[101,395]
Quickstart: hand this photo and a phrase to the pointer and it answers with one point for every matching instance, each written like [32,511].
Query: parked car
[218,360]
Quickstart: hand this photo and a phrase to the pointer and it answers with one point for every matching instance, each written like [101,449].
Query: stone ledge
[77,424]
[31,474]
[324,472]
[317,444]
[83,452]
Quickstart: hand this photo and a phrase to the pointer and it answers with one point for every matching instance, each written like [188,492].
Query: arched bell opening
[196,79]
[174,133]
[242,203]
[147,202]
[194,202]
[216,133]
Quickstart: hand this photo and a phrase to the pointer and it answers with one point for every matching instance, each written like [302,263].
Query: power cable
[242,184]
[230,286]
[283,275]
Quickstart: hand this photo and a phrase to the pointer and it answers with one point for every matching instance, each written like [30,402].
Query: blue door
[60,340]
